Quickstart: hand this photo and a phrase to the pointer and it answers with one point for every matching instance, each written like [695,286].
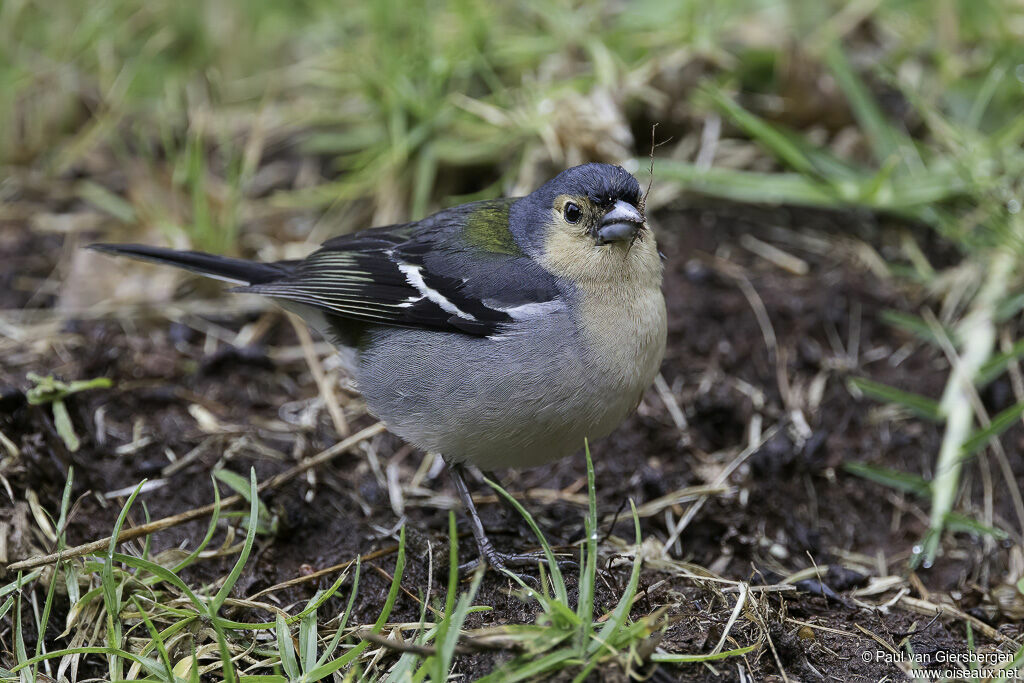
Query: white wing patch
[531,310]
[415,278]
[411,301]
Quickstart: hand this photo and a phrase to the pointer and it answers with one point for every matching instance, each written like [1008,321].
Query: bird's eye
[572,212]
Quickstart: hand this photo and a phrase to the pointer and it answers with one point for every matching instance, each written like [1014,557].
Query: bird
[501,333]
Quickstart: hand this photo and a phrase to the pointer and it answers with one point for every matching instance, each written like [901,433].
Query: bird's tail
[234,270]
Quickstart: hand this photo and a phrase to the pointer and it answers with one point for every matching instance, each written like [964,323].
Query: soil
[790,504]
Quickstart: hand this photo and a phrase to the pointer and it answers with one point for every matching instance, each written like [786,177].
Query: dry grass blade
[741,600]
[316,368]
[671,405]
[775,255]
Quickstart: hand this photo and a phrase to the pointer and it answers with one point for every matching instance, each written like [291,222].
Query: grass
[48,390]
[156,627]
[963,177]
[258,127]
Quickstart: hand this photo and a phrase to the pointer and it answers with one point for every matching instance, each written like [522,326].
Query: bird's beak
[620,224]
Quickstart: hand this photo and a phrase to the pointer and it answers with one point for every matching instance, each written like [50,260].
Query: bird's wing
[455,271]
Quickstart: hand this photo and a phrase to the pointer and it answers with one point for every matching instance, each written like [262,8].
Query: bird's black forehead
[603,184]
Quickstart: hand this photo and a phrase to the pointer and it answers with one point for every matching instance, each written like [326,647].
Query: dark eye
[572,212]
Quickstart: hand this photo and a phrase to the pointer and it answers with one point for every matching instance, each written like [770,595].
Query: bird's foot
[503,562]
[488,553]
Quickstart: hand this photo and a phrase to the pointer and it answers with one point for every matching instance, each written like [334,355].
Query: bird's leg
[488,553]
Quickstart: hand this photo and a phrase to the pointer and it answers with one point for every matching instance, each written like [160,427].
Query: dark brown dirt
[794,500]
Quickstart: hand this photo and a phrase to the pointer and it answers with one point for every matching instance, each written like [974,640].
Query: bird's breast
[625,332]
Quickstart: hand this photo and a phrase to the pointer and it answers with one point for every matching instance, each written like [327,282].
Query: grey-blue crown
[603,184]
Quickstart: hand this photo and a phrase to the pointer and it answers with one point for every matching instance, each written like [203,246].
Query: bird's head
[586,217]
[597,203]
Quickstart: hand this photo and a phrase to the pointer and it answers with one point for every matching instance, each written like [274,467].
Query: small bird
[500,333]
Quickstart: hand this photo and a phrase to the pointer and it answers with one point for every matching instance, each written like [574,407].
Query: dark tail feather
[219,267]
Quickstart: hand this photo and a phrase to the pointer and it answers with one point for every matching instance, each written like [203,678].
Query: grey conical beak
[621,224]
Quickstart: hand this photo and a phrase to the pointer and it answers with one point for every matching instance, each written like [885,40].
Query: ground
[760,350]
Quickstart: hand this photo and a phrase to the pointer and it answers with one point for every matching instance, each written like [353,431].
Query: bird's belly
[519,401]
[512,424]
[526,398]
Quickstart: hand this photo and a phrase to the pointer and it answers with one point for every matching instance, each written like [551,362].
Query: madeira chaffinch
[500,333]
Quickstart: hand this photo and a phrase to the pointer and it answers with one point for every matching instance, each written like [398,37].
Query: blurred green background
[203,119]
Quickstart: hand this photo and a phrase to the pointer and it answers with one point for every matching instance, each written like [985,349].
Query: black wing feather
[415,275]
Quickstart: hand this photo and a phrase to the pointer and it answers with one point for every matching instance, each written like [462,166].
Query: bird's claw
[502,562]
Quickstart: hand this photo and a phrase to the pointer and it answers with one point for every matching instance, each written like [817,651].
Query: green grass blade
[319,599]
[6,607]
[243,557]
[997,365]
[957,522]
[885,140]
[974,665]
[557,581]
[285,649]
[588,563]
[396,584]
[999,424]
[914,195]
[440,666]
[65,506]
[210,530]
[20,652]
[1010,307]
[147,540]
[914,325]
[144,662]
[405,668]
[894,479]
[621,612]
[168,632]
[20,581]
[111,591]
[1010,136]
[984,97]
[240,485]
[308,638]
[827,165]
[343,621]
[164,574]
[45,619]
[446,647]
[527,669]
[103,199]
[749,186]
[62,423]
[157,640]
[769,136]
[227,666]
[921,406]
[389,604]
